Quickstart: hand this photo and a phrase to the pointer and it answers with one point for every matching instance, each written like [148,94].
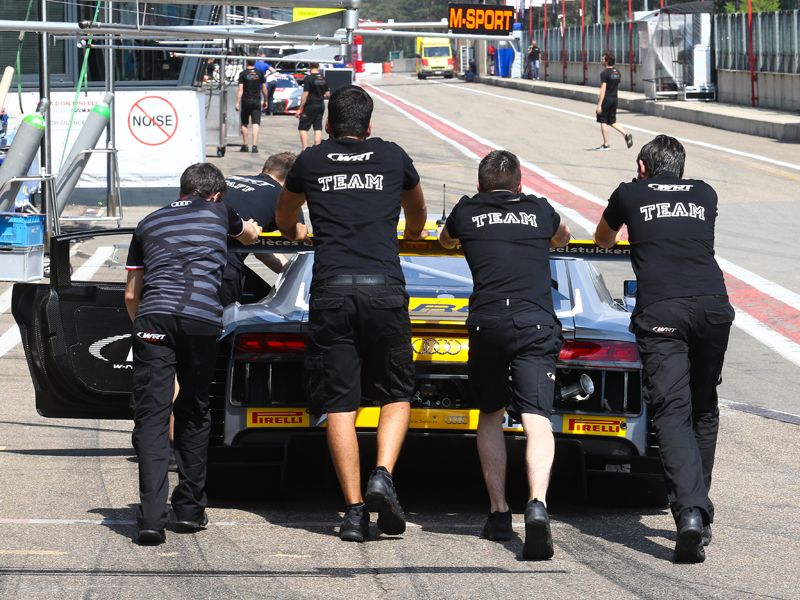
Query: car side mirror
[629,287]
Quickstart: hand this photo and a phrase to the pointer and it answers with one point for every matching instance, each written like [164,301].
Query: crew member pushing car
[254,197]
[175,265]
[682,321]
[359,332]
[513,330]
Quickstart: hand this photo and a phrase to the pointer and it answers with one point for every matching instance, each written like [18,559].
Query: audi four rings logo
[437,346]
[456,419]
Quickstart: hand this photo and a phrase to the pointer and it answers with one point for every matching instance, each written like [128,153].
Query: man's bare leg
[255,134]
[343,445]
[244,135]
[317,137]
[604,131]
[492,452]
[539,458]
[539,453]
[381,496]
[392,429]
[304,139]
[620,128]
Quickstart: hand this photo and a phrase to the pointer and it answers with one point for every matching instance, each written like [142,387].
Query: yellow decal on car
[594,425]
[278,417]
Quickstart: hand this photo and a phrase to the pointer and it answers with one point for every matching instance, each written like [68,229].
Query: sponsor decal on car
[594,425]
[277,417]
[435,349]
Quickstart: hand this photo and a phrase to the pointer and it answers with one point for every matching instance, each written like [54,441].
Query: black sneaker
[244,148]
[192,526]
[706,534]
[382,499]
[689,544]
[498,526]
[255,150]
[629,140]
[603,148]
[538,540]
[151,537]
[355,527]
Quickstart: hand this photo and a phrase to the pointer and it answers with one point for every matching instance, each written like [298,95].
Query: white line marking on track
[747,323]
[32,552]
[12,337]
[292,524]
[5,300]
[707,145]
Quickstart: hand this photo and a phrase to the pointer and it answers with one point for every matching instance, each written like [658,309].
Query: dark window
[140,65]
[16,10]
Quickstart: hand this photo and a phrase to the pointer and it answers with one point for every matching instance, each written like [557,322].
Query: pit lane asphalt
[66,486]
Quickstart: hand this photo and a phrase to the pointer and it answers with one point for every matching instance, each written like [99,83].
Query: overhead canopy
[271,3]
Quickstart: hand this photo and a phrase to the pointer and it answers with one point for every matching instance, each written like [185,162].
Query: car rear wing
[275,243]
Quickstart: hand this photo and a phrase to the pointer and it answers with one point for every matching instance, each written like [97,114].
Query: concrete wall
[774,90]
[555,73]
[404,65]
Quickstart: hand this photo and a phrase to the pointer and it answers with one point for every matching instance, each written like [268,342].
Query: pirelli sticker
[480,19]
[594,425]
[278,417]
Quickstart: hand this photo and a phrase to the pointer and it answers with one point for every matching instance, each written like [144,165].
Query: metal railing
[595,43]
[776,39]
[776,42]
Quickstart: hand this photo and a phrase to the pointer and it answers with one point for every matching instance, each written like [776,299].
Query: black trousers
[165,346]
[682,343]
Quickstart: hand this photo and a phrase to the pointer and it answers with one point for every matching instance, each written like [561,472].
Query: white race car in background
[287,95]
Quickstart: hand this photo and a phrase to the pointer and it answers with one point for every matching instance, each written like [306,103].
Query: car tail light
[266,343]
[450,62]
[424,62]
[599,352]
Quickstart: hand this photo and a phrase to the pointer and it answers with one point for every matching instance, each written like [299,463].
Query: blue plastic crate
[21,230]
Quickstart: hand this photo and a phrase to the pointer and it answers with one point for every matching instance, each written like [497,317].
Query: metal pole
[752,58]
[46,160]
[223,94]
[607,23]
[630,46]
[564,40]
[544,10]
[583,39]
[111,139]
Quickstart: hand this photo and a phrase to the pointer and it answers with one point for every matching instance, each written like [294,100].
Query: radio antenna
[443,220]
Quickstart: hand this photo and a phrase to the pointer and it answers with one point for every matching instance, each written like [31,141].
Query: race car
[76,336]
[287,96]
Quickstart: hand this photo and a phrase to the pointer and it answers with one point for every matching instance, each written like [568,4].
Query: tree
[737,6]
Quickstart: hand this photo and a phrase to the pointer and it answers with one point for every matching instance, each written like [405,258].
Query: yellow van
[434,57]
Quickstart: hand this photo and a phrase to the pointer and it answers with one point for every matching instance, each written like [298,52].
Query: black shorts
[359,345]
[608,111]
[251,112]
[517,341]
[311,117]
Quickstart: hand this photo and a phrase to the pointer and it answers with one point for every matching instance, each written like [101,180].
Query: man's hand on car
[410,235]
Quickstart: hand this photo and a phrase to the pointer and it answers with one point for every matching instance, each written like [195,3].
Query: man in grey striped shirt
[175,265]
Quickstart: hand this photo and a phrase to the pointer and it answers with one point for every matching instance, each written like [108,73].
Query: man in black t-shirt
[359,332]
[175,265]
[254,197]
[607,101]
[513,331]
[534,56]
[251,97]
[312,105]
[682,321]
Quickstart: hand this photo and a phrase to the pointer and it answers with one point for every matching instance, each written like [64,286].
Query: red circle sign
[153,120]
